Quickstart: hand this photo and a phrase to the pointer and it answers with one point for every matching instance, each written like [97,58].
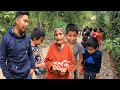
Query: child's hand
[40,65]
[80,70]
[97,76]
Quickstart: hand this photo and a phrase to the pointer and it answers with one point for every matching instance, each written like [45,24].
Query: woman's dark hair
[37,33]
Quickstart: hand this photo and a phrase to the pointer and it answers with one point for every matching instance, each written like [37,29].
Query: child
[94,32]
[60,59]
[92,57]
[71,36]
[98,35]
[37,37]
[85,38]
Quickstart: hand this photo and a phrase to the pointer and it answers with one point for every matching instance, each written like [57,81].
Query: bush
[114,50]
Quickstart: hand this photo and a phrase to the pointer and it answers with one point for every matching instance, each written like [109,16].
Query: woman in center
[60,58]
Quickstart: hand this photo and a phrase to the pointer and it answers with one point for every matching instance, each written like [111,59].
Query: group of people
[89,32]
[21,55]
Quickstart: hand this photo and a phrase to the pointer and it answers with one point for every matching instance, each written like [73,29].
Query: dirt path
[107,68]
[107,71]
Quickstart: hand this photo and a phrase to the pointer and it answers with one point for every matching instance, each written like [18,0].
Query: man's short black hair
[20,13]
[37,33]
[71,27]
[92,42]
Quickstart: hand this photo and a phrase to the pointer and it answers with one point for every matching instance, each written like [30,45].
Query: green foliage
[2,31]
[114,47]
[59,24]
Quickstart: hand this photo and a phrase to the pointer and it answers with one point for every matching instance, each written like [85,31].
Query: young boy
[71,36]
[92,57]
[37,37]
[98,35]
[85,38]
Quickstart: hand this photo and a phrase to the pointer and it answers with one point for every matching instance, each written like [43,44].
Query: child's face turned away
[39,41]
[91,50]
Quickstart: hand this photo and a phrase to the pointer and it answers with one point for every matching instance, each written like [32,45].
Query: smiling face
[22,23]
[59,36]
[71,37]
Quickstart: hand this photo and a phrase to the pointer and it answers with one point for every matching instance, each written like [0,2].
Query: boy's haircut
[20,13]
[92,42]
[37,33]
[71,27]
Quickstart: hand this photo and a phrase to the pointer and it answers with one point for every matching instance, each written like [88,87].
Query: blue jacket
[16,57]
[92,61]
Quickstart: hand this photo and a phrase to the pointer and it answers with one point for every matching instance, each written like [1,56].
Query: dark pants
[28,77]
[89,75]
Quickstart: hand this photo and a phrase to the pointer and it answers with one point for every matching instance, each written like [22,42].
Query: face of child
[39,41]
[59,36]
[91,50]
[71,37]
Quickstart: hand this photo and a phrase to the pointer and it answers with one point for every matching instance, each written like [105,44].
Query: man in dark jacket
[16,57]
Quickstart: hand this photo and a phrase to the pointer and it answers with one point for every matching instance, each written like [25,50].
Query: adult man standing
[16,57]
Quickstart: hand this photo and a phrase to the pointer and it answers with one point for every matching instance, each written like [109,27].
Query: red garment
[93,34]
[54,55]
[97,35]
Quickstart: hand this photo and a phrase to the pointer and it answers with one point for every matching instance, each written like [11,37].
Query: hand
[97,76]
[80,70]
[31,72]
[63,71]
[40,65]
[55,69]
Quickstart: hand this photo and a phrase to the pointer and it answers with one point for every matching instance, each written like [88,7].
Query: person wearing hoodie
[16,57]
